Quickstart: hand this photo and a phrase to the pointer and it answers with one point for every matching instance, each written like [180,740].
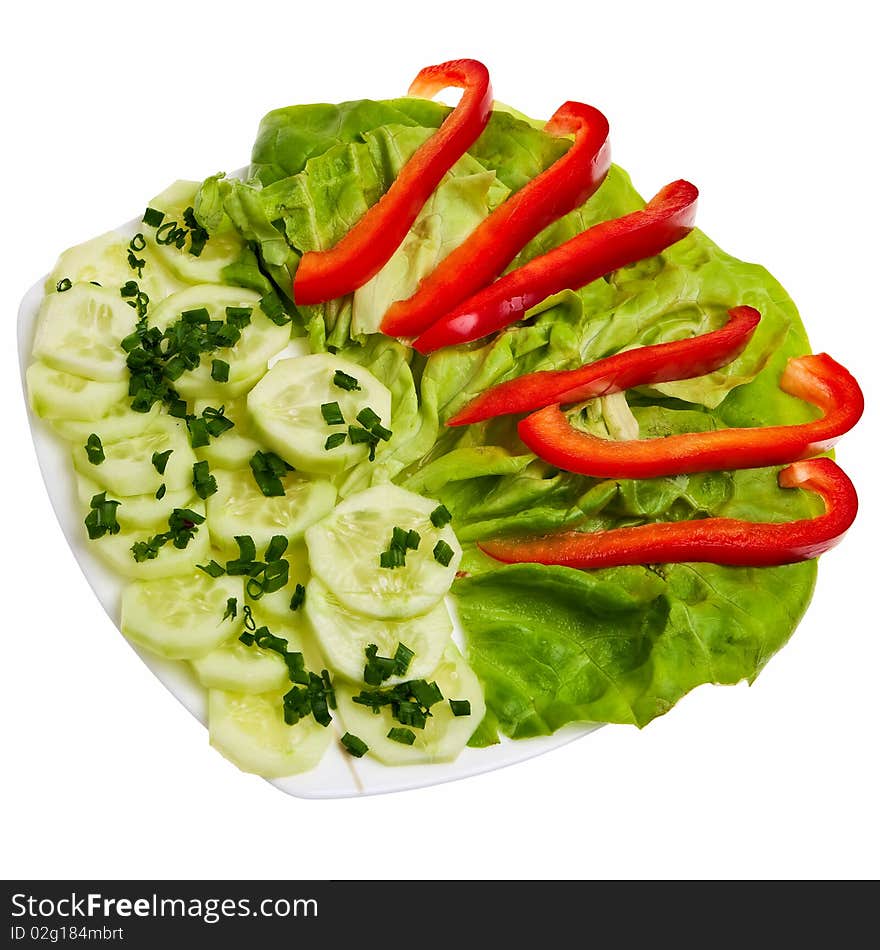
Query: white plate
[338,775]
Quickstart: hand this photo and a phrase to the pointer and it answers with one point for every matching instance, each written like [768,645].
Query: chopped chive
[198,317]
[460,707]
[248,618]
[178,410]
[160,492]
[332,414]
[160,460]
[63,284]
[346,382]
[101,518]
[220,371]
[138,242]
[131,342]
[440,516]
[203,481]
[443,553]
[402,735]
[275,576]
[402,657]
[94,449]
[334,440]
[367,418]
[413,538]
[276,547]
[238,317]
[354,746]
[427,694]
[298,598]
[247,550]
[381,432]
[272,305]
[268,468]
[198,432]
[254,588]
[231,609]
[136,263]
[410,714]
[153,218]
[129,289]
[212,569]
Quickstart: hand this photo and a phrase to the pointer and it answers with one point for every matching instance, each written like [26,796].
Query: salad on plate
[426,433]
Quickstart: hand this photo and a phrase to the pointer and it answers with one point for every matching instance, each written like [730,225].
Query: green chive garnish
[220,371]
[346,382]
[160,460]
[212,569]
[153,218]
[354,746]
[94,449]
[332,414]
[440,516]
[203,481]
[443,553]
[138,242]
[402,735]
[460,707]
[160,492]
[334,440]
[298,598]
[63,284]
[231,609]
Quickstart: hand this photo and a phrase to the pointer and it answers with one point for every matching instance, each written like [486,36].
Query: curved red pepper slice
[643,366]
[818,379]
[366,248]
[499,238]
[667,218]
[713,540]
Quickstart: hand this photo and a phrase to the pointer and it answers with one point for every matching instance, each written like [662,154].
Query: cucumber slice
[260,340]
[445,734]
[54,394]
[344,635]
[235,447]
[128,468]
[121,422]
[79,331]
[104,259]
[345,547]
[115,550]
[180,617]
[250,731]
[275,606]
[138,511]
[242,669]
[286,410]
[222,248]
[239,507]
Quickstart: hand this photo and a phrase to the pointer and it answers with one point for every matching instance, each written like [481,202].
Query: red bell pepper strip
[643,366]
[818,379]
[714,540]
[366,248]
[500,237]
[667,218]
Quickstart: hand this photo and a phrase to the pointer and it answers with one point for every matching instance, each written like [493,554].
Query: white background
[770,109]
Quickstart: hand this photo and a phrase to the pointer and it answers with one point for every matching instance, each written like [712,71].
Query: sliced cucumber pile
[348,605]
[286,408]
[444,734]
[180,617]
[345,551]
